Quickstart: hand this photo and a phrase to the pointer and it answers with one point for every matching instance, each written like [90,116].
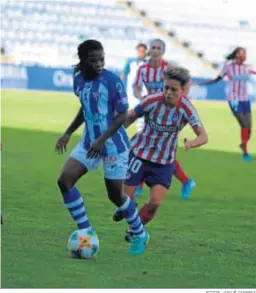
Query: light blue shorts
[115,166]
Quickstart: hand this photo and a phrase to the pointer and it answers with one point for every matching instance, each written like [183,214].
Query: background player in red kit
[153,151]
[151,76]
[238,75]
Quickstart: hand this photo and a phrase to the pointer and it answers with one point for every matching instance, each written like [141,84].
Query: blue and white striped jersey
[102,99]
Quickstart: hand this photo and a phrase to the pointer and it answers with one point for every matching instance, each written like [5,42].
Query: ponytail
[232,55]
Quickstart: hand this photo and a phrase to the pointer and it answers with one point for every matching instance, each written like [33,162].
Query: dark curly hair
[83,50]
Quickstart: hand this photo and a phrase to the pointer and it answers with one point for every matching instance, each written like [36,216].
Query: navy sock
[75,204]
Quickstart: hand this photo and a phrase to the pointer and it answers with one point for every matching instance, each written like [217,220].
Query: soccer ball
[83,244]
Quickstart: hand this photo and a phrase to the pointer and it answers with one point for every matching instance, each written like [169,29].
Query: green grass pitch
[207,241]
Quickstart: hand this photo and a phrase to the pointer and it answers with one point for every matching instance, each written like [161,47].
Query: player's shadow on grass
[205,238]
[32,152]
[25,147]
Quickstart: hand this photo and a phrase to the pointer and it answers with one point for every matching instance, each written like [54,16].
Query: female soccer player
[103,109]
[151,75]
[130,70]
[153,151]
[238,75]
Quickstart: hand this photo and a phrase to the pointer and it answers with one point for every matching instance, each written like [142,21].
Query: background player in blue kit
[131,67]
[104,108]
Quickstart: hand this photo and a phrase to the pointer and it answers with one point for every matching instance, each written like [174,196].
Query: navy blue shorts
[140,170]
[240,107]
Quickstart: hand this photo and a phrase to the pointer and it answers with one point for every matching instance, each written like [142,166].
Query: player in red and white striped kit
[151,75]
[153,150]
[238,75]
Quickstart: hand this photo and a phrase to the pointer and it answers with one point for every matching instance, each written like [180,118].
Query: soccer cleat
[118,216]
[247,157]
[138,191]
[187,189]
[138,244]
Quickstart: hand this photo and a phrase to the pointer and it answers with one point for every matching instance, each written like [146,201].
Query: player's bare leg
[156,197]
[140,126]
[149,210]
[71,172]
[115,191]
[247,122]
[244,121]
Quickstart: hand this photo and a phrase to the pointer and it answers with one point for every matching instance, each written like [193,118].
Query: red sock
[146,214]
[245,134]
[179,173]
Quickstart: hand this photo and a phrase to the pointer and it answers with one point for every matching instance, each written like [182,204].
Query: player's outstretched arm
[99,142]
[61,144]
[211,81]
[201,139]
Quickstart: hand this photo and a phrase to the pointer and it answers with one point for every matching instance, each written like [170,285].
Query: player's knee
[64,182]
[248,123]
[243,121]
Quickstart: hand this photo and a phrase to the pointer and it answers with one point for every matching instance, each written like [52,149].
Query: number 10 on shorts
[134,165]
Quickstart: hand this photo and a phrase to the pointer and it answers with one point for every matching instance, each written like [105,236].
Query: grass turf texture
[207,241]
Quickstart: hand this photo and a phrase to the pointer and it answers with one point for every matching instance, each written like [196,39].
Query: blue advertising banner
[14,76]
[53,79]
[60,79]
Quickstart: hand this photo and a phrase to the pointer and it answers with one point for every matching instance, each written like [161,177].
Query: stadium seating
[48,32]
[211,27]
[35,28]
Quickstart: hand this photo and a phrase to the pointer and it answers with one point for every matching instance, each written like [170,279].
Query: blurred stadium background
[42,34]
[206,242]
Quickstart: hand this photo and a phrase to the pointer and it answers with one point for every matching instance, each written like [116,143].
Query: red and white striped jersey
[152,78]
[158,141]
[238,76]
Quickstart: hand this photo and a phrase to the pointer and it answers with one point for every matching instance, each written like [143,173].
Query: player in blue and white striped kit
[103,109]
